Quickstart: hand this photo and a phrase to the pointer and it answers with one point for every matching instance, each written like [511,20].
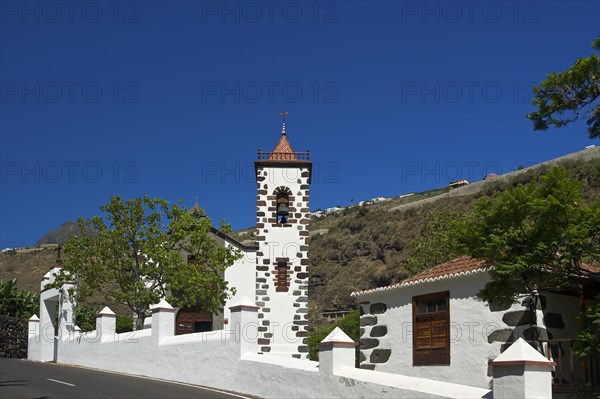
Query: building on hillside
[458,183]
[432,326]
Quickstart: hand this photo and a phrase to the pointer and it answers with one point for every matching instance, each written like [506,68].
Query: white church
[274,271]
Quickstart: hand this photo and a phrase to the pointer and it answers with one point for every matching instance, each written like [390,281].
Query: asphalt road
[30,380]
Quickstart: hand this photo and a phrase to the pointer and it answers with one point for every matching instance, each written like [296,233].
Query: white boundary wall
[228,359]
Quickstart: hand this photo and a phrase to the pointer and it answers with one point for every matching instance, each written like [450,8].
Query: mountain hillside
[351,248]
[60,235]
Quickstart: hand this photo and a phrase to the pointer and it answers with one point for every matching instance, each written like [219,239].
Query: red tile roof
[283,150]
[461,266]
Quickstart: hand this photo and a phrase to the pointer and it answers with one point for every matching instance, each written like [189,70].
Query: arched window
[282,204]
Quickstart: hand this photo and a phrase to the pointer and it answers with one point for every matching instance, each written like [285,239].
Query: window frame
[420,355]
[282,277]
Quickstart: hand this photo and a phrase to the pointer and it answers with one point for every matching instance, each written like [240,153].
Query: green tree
[17,303]
[435,243]
[537,236]
[349,324]
[136,256]
[565,97]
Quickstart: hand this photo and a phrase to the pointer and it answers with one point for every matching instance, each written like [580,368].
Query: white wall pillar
[34,326]
[106,323]
[336,352]
[243,325]
[163,321]
[522,372]
[33,343]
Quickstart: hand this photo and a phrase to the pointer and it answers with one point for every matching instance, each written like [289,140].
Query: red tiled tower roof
[283,150]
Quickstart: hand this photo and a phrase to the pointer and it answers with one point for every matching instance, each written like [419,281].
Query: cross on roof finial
[283,115]
[197,201]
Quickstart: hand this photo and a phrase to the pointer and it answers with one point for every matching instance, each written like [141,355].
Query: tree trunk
[139,321]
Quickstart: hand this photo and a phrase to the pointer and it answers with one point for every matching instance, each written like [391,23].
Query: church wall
[283,316]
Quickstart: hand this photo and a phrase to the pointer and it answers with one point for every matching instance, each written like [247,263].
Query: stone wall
[13,337]
[283,303]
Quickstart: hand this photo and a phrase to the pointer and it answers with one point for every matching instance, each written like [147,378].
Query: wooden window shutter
[282,281]
[431,329]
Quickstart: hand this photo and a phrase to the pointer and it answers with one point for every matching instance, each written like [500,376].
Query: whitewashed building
[432,326]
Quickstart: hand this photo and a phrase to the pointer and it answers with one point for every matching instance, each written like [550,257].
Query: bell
[282,210]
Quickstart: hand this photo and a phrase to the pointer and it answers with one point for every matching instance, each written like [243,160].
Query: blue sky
[173,98]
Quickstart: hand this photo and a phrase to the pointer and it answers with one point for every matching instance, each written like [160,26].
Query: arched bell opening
[283,208]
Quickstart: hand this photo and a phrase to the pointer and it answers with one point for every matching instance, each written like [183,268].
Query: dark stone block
[268,335]
[378,308]
[363,358]
[297,293]
[295,328]
[362,332]
[263,341]
[502,335]
[296,356]
[368,321]
[379,331]
[302,299]
[368,343]
[517,318]
[380,355]
[266,322]
[367,366]
[554,320]
[261,292]
[265,349]
[303,349]
[266,310]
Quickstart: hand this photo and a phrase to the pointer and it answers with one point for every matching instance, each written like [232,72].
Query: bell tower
[282,217]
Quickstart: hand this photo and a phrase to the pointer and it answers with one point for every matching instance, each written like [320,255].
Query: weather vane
[283,115]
